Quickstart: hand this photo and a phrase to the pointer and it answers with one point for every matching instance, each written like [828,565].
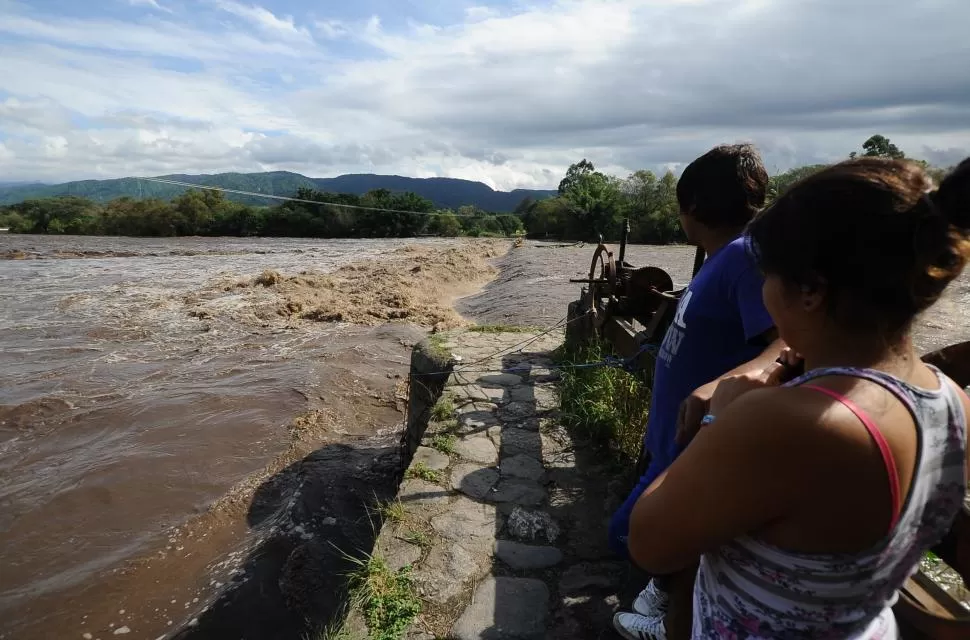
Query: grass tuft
[443,409]
[608,406]
[394,511]
[444,442]
[437,348]
[417,537]
[386,598]
[423,471]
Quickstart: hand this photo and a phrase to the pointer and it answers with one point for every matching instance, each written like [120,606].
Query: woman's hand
[731,388]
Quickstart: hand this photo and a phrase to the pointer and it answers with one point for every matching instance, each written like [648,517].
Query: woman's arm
[739,474]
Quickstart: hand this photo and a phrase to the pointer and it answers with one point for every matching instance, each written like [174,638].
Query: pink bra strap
[877,437]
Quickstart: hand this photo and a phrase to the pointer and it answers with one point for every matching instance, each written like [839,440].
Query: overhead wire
[256,194]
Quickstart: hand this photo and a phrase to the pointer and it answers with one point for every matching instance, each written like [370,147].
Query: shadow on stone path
[512,513]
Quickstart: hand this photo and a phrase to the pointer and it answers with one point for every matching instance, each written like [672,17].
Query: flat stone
[479,450]
[475,393]
[562,497]
[474,480]
[422,492]
[474,407]
[556,433]
[531,423]
[522,393]
[513,442]
[468,523]
[500,379]
[541,375]
[525,556]
[431,458]
[560,460]
[517,491]
[397,552]
[522,466]
[591,576]
[540,362]
[516,411]
[505,609]
[532,525]
[545,398]
[477,420]
[443,575]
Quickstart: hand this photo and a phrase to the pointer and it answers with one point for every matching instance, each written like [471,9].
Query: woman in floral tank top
[809,503]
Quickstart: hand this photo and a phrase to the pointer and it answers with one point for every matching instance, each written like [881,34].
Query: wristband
[706,420]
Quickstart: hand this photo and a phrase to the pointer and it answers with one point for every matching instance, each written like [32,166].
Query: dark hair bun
[953,196]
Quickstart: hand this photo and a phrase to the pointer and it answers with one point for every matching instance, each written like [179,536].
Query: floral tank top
[751,590]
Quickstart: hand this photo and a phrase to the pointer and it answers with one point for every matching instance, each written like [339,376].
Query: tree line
[200,212]
[589,204]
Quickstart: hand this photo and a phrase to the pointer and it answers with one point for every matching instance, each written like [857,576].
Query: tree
[665,218]
[879,146]
[780,183]
[575,174]
[596,198]
[640,190]
[445,224]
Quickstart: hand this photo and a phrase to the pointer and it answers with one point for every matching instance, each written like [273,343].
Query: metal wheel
[602,283]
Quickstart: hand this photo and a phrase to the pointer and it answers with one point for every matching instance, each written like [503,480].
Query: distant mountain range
[448,193]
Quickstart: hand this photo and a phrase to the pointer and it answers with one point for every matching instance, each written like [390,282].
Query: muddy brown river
[144,401]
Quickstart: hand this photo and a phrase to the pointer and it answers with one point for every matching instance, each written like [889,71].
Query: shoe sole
[620,629]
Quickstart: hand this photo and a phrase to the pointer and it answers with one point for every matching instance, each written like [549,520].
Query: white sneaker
[633,626]
[652,602]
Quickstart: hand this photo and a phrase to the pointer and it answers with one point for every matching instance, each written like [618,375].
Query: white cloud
[508,98]
[264,19]
[476,14]
[148,3]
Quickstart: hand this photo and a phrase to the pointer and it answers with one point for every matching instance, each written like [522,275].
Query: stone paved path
[505,518]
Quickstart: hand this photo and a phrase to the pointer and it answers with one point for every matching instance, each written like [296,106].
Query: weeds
[437,348]
[335,631]
[394,511]
[386,598]
[443,409]
[424,472]
[444,442]
[419,538]
[606,405]
[501,328]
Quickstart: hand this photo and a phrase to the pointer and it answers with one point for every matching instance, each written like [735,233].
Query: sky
[507,92]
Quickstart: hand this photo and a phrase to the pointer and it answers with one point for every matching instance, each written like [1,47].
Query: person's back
[720,324]
[812,503]
[758,586]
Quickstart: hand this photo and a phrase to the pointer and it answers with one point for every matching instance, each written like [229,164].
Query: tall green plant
[606,405]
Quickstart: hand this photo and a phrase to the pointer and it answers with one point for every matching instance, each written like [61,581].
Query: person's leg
[619,529]
[651,603]
[680,611]
[671,621]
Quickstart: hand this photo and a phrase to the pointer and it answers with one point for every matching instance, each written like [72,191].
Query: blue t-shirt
[718,320]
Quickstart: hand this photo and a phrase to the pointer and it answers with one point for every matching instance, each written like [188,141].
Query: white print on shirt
[682,309]
[676,332]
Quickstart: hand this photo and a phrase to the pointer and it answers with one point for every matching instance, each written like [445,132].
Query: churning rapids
[161,399]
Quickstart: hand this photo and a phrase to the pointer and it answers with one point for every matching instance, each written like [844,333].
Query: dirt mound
[414,284]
